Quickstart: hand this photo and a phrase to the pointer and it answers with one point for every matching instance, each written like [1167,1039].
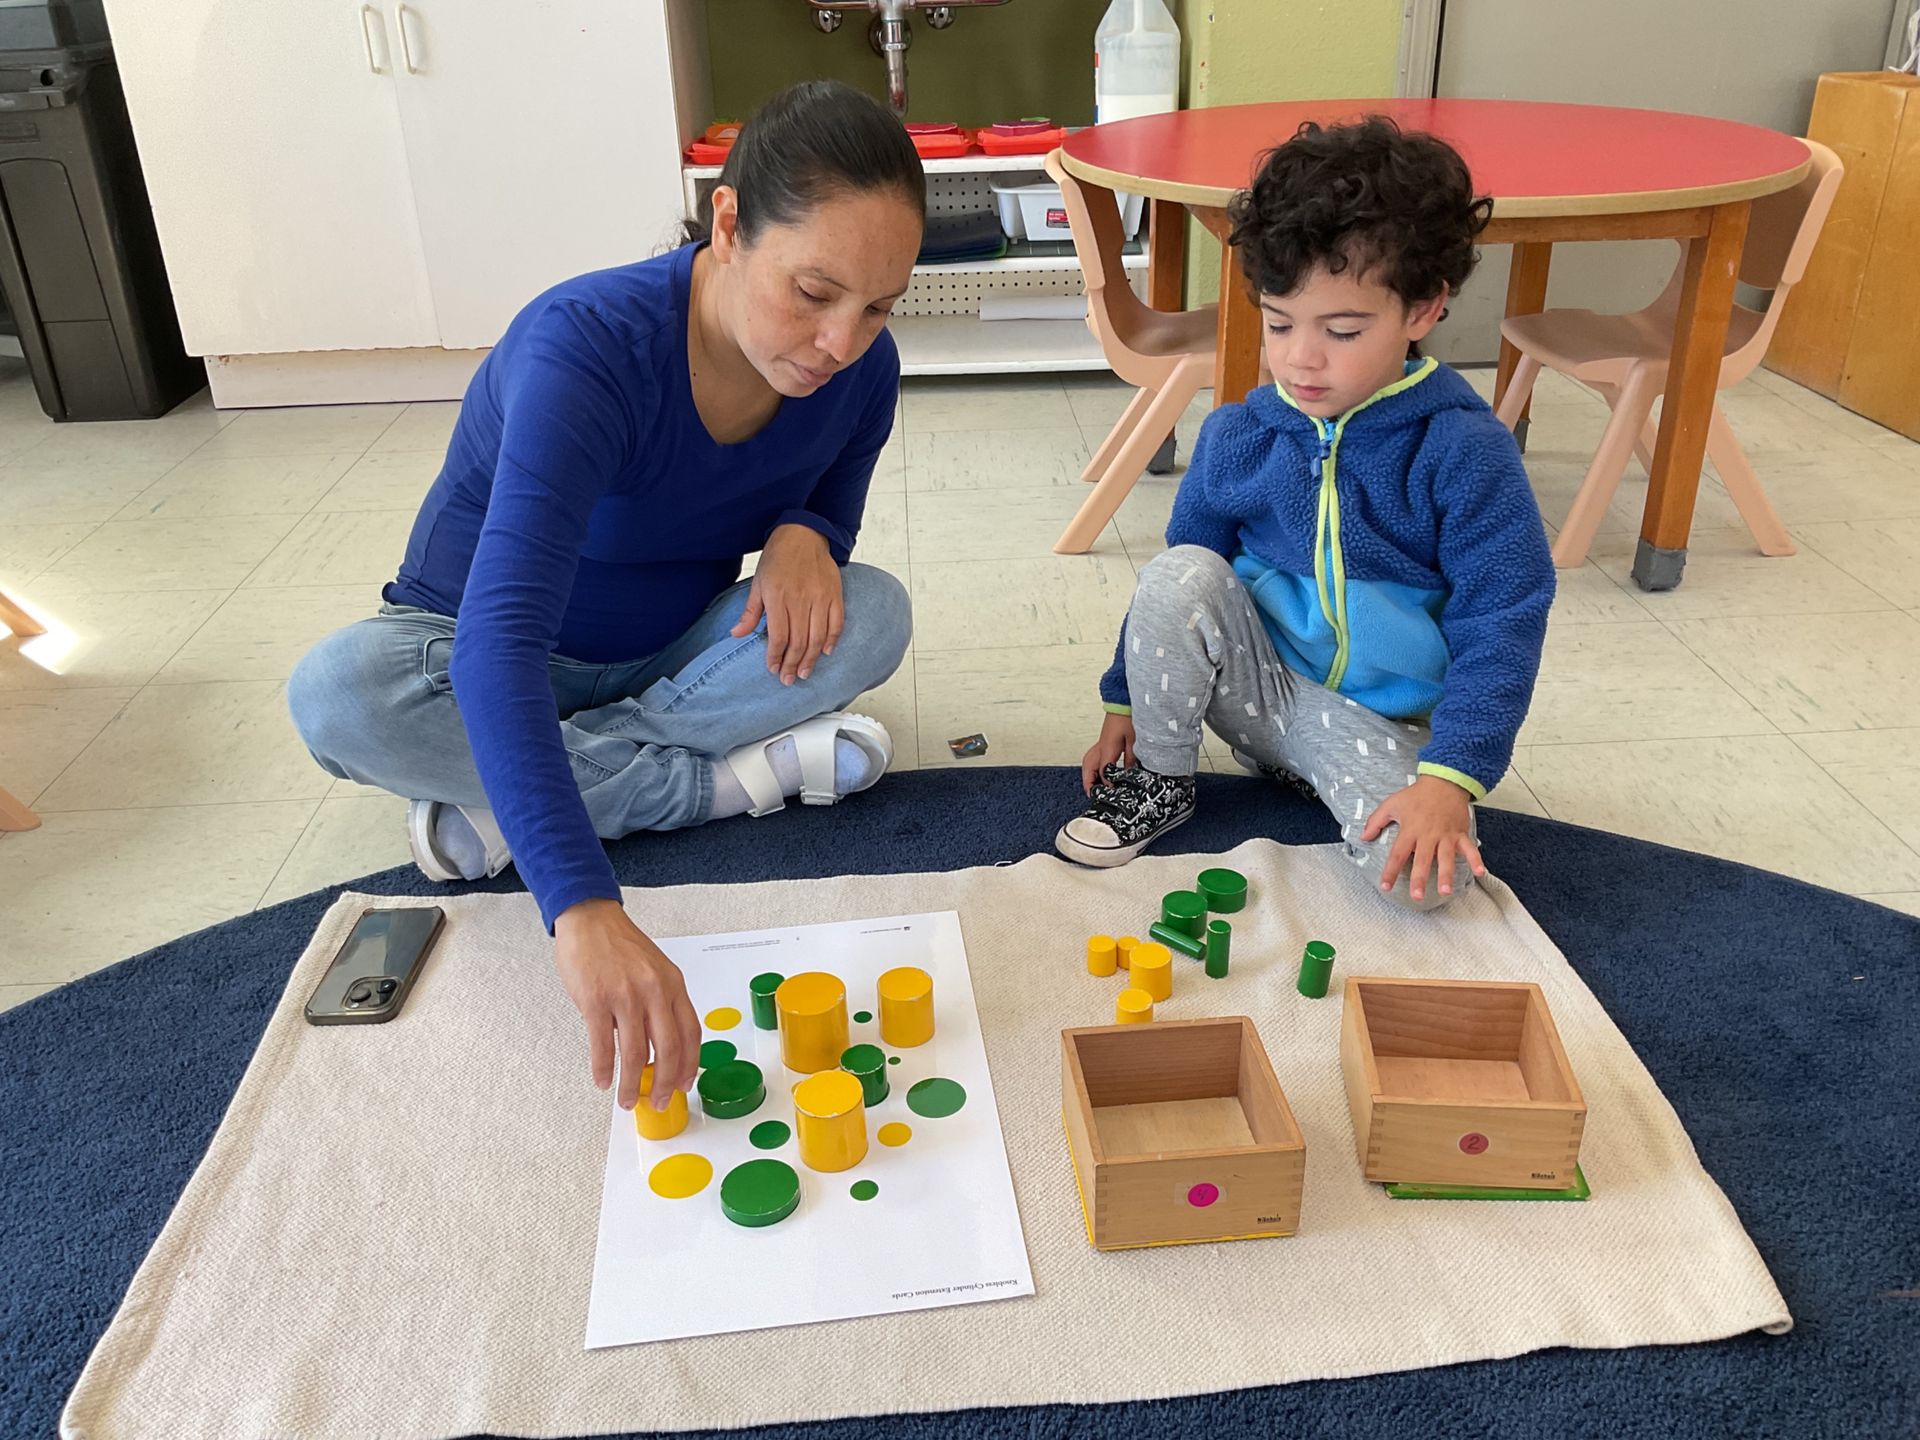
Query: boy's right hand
[1115,746]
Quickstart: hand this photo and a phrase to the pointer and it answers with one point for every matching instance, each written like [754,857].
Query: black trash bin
[80,265]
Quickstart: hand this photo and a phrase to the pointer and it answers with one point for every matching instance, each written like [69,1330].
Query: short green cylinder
[1178,940]
[1225,891]
[1185,911]
[1219,948]
[731,1090]
[868,1065]
[1316,969]
[765,1015]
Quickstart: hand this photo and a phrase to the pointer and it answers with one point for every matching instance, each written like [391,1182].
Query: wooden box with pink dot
[1180,1133]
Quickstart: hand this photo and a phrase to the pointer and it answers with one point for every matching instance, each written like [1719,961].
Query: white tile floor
[1768,710]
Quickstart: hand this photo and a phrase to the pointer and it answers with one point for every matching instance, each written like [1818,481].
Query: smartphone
[372,975]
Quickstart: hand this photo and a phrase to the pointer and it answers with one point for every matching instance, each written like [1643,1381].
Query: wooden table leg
[1526,295]
[1699,349]
[1236,357]
[17,619]
[14,815]
[1167,255]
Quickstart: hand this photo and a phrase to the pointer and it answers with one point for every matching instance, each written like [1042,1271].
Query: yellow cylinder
[655,1124]
[906,1007]
[812,1009]
[1101,955]
[1134,1007]
[1152,969]
[1123,950]
[830,1121]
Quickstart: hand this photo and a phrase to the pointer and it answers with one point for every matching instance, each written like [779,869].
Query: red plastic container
[1023,142]
[940,143]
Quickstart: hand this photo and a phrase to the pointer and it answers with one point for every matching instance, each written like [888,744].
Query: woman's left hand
[797,588]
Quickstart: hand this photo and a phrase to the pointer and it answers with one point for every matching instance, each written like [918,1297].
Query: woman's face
[804,301]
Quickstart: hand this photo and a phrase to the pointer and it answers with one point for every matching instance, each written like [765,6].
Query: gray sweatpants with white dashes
[1197,651]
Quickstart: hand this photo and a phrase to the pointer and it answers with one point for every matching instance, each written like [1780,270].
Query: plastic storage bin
[79,260]
[1031,208]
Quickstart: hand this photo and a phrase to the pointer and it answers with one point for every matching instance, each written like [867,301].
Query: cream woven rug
[393,1230]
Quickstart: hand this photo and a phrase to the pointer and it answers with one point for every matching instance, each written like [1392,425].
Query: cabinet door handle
[366,38]
[406,43]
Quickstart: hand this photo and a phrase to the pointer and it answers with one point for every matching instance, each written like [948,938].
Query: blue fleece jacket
[1395,553]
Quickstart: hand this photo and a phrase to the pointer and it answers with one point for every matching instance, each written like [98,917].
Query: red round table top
[1534,157]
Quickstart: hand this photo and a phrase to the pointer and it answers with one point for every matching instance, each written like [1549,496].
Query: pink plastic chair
[1169,355]
[1624,358]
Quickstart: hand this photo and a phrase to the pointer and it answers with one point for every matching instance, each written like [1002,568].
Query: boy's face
[1338,338]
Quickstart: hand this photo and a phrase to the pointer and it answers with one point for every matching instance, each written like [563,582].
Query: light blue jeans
[374,704]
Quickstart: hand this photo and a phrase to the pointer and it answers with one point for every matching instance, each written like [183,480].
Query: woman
[633,436]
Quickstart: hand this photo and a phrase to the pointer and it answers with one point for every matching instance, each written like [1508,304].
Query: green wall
[1029,57]
[1035,57]
[1239,52]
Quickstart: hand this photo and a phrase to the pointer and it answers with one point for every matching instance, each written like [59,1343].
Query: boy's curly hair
[1396,206]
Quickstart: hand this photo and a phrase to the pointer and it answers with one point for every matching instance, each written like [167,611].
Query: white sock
[459,843]
[852,769]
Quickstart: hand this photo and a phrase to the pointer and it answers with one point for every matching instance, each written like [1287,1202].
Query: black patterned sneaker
[1130,810]
[1275,772]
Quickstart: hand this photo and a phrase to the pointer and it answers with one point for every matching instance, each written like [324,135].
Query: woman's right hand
[624,985]
[1114,745]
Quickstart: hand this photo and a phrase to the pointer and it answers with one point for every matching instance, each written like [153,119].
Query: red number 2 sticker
[1473,1143]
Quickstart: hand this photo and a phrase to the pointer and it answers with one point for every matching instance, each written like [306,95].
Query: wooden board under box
[1179,1132]
[1459,1082]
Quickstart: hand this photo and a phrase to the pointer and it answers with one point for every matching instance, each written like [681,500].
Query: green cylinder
[1185,911]
[868,1065]
[731,1090]
[760,1193]
[1178,940]
[762,986]
[1316,969]
[1219,946]
[1225,891]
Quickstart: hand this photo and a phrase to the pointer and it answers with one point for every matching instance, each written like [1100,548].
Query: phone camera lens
[387,987]
[359,994]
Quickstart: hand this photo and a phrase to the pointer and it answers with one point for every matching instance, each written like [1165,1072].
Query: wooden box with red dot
[1459,1082]
[1179,1133]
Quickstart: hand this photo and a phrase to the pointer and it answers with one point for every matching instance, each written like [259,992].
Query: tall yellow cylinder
[1152,970]
[655,1124]
[812,1009]
[906,1007]
[1134,1007]
[1123,951]
[830,1121]
[1101,957]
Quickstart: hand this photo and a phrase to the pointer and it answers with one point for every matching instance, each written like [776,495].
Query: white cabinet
[329,175]
[543,144]
[271,142]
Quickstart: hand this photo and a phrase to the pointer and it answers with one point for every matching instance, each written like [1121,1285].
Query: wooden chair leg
[1513,403]
[1603,475]
[18,620]
[1116,437]
[14,815]
[1129,461]
[1736,474]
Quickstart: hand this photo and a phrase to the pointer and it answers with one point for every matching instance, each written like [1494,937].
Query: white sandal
[421,816]
[813,741]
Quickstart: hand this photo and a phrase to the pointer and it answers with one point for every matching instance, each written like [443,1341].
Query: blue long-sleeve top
[584,510]
[1395,553]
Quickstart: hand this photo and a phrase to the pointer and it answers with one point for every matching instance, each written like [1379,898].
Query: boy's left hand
[1433,815]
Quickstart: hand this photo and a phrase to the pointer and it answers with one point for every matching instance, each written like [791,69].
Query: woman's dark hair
[1394,206]
[807,144]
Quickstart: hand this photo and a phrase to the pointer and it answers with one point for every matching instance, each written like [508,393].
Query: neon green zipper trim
[1327,555]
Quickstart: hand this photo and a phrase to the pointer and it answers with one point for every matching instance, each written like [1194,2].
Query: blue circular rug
[1782,1021]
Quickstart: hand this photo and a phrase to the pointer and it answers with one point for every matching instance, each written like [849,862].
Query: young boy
[1357,589]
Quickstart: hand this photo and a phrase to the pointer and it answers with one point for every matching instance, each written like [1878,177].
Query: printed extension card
[926,1219]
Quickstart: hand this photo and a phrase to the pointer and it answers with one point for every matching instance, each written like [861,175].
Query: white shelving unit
[937,323]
